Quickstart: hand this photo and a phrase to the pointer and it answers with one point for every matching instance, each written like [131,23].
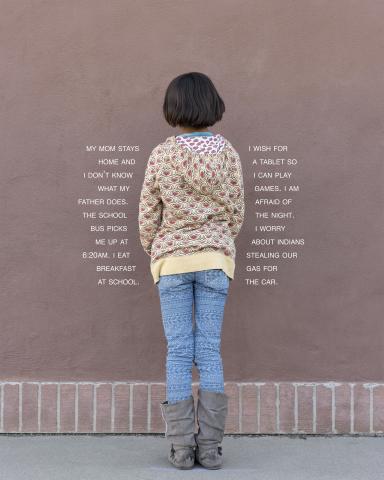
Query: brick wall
[133,407]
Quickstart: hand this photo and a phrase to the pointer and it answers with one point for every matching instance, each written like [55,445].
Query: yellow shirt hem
[192,263]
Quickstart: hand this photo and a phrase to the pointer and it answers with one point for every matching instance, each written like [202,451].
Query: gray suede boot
[211,410]
[179,419]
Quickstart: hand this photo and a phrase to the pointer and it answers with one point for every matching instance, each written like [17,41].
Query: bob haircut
[191,100]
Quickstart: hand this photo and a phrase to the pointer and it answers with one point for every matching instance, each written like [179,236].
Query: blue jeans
[206,292]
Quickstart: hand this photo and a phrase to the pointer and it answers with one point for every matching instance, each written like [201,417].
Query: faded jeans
[206,292]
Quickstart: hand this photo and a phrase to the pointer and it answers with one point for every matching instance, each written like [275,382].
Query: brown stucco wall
[305,74]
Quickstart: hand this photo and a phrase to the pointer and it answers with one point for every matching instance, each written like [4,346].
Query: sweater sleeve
[150,205]
[238,205]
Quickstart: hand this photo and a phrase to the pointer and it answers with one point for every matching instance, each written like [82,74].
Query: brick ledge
[133,407]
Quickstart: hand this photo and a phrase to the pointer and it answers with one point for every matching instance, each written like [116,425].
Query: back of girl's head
[191,100]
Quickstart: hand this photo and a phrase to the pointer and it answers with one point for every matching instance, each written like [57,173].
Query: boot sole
[216,467]
[180,467]
[209,468]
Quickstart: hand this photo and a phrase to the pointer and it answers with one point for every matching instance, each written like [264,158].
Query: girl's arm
[150,205]
[237,214]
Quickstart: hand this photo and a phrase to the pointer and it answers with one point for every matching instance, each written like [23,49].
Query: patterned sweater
[191,205]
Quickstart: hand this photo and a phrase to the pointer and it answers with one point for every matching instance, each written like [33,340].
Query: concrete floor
[115,457]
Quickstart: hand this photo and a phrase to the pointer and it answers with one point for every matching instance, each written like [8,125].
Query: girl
[191,210]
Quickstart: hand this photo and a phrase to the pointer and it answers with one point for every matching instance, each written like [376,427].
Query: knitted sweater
[191,205]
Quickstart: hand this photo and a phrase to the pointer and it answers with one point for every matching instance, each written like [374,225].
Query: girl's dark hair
[191,100]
